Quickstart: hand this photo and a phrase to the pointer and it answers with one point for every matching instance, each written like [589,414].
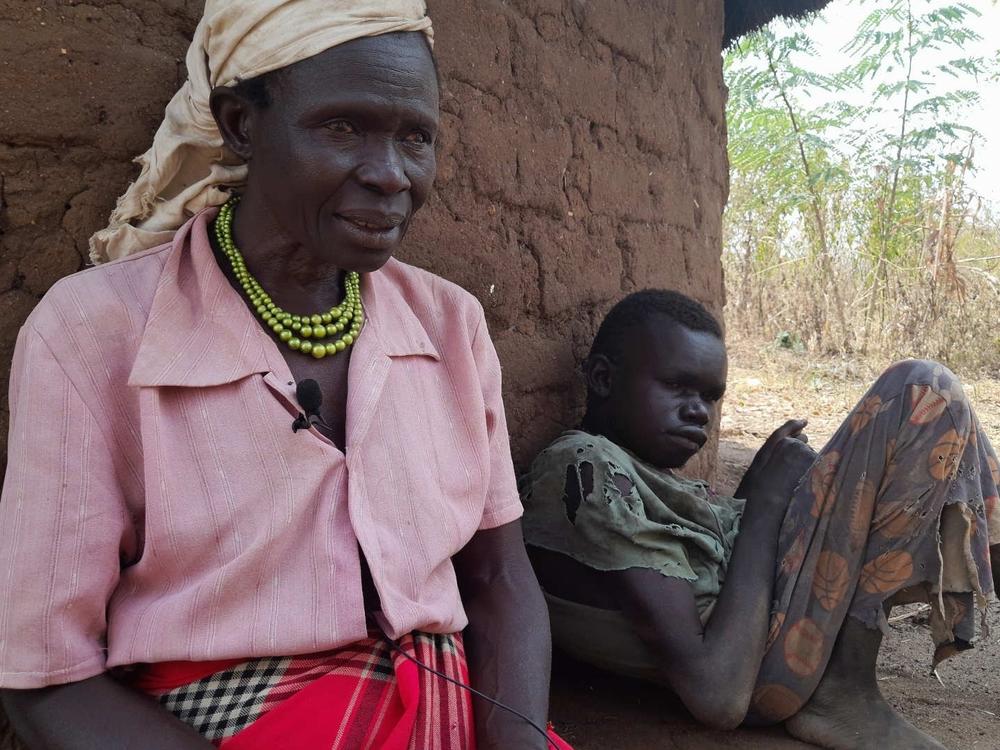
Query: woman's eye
[418,137]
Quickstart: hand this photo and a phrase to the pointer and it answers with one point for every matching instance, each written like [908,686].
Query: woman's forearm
[96,714]
[507,640]
[509,651]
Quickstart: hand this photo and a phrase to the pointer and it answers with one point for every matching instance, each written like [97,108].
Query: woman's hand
[778,467]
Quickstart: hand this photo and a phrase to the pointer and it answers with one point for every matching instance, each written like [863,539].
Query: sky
[832,29]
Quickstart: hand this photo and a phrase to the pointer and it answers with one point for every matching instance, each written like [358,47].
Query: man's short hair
[639,307]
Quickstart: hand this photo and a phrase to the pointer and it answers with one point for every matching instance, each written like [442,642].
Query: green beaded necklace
[299,332]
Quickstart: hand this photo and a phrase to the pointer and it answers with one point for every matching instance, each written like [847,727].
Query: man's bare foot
[839,716]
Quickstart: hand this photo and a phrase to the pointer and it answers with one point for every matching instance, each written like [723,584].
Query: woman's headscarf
[187,165]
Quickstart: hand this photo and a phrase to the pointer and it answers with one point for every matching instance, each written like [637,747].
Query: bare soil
[960,706]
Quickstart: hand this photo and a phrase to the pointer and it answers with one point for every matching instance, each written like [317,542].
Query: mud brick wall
[583,157]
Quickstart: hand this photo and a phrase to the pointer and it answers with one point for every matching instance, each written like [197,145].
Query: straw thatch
[744,16]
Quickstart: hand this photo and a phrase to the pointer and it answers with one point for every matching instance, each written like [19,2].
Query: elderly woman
[260,470]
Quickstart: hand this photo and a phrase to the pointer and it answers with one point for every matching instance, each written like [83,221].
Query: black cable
[471,689]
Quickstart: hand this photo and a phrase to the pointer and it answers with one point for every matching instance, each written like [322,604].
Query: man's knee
[930,388]
[921,371]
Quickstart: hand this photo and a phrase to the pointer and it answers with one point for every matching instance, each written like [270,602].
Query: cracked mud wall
[582,157]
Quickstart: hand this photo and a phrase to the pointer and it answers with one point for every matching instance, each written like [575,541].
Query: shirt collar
[200,332]
[386,295]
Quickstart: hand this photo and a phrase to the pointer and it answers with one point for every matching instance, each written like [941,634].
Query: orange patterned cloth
[904,496]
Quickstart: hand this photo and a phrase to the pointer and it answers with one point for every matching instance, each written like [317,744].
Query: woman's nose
[383,170]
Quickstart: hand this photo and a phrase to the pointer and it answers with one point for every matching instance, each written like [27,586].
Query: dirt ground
[595,711]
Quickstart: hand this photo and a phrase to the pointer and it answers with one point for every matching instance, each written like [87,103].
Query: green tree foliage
[850,218]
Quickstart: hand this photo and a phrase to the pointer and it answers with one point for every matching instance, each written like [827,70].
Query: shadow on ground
[594,710]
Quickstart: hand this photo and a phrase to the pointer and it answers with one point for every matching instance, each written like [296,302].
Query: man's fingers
[792,428]
[797,426]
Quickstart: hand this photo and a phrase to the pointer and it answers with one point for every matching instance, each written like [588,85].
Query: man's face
[664,390]
[344,154]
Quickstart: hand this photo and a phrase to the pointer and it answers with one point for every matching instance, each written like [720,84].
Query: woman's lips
[378,221]
[375,231]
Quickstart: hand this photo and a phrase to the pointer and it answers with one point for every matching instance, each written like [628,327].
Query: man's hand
[778,466]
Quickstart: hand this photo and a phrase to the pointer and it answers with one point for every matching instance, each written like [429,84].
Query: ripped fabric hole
[579,484]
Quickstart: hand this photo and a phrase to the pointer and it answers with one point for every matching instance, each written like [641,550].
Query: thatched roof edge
[744,16]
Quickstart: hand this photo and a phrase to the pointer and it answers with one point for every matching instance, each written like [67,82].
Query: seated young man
[768,608]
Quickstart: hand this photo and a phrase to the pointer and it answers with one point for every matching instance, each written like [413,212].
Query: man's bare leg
[847,711]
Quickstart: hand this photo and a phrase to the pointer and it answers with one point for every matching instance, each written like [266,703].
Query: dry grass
[948,315]
[769,384]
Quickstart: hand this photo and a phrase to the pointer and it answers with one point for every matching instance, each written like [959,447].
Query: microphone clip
[310,398]
[305,421]
[301,423]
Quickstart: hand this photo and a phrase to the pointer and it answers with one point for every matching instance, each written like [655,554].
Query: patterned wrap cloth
[368,695]
[904,496]
[365,695]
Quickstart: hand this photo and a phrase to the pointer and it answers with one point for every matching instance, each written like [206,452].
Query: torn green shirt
[635,516]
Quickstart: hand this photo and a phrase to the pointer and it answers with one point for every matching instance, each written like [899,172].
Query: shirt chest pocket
[229,472]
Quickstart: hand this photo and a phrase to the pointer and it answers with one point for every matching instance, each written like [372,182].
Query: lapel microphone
[310,398]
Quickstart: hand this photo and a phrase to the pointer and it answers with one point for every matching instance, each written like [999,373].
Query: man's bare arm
[713,668]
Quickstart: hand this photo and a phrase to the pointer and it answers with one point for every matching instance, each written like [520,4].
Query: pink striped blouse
[158,506]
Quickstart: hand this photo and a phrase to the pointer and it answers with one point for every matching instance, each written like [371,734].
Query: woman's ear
[599,372]
[234,116]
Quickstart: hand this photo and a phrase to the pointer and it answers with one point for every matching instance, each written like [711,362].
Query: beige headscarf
[187,165]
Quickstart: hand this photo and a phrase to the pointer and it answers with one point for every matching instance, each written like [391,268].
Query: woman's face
[344,154]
